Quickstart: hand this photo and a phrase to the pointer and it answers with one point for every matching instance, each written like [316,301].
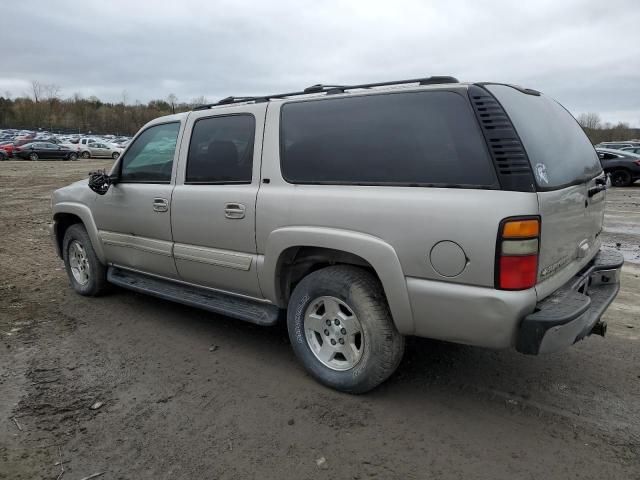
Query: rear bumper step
[217,302]
[571,312]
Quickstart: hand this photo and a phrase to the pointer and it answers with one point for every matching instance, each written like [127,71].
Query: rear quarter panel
[411,220]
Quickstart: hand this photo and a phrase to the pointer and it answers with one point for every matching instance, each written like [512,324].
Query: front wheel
[341,329]
[115,155]
[620,178]
[87,275]
[33,156]
[85,155]
[73,157]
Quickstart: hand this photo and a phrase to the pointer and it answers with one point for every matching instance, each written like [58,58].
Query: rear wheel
[620,178]
[341,329]
[73,156]
[115,155]
[85,155]
[33,156]
[87,275]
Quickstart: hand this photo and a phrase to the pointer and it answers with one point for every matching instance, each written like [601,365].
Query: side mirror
[100,182]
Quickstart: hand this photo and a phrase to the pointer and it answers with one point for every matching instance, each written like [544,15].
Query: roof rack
[329,90]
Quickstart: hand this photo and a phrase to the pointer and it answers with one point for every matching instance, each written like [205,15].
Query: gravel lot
[188,394]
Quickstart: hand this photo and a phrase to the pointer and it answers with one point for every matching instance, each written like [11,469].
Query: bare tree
[50,91]
[589,120]
[172,100]
[201,100]
[36,90]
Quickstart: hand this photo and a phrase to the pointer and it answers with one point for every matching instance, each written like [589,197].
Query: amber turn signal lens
[521,229]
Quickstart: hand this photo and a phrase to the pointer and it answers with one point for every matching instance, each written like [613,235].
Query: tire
[73,157]
[95,282]
[33,156]
[621,178]
[115,155]
[358,295]
[85,155]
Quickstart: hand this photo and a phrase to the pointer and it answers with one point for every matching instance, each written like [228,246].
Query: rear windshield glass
[415,138]
[559,151]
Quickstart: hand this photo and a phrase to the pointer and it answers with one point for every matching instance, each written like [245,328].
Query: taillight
[637,162]
[517,253]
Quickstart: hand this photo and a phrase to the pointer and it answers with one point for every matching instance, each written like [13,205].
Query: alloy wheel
[334,333]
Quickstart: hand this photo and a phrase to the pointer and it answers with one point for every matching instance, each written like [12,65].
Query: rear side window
[221,150]
[150,157]
[416,138]
[558,149]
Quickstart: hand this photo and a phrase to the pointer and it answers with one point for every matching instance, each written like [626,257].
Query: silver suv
[463,212]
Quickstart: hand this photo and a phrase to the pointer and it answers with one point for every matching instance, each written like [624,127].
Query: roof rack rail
[328,89]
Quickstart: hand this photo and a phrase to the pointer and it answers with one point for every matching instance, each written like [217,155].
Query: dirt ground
[190,395]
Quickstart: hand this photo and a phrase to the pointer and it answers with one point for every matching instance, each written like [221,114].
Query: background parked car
[101,150]
[617,145]
[3,155]
[635,150]
[10,147]
[7,148]
[624,167]
[38,150]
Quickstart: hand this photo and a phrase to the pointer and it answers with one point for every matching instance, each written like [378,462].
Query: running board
[231,306]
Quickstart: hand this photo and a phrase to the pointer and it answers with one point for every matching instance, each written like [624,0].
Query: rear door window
[558,149]
[413,139]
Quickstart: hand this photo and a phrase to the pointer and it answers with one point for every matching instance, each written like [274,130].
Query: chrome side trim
[151,245]
[226,292]
[213,256]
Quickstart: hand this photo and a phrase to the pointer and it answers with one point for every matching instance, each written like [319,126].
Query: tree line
[44,108]
[599,131]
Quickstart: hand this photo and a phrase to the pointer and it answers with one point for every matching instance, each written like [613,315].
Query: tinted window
[559,151]
[221,150]
[417,138]
[150,157]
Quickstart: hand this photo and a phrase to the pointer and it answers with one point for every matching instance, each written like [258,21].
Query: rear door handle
[160,204]
[234,210]
[595,190]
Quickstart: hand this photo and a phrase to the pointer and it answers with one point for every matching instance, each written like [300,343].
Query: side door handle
[160,205]
[234,210]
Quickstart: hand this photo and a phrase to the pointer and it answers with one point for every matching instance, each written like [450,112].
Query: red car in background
[9,147]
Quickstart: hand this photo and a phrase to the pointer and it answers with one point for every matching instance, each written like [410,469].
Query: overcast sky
[586,54]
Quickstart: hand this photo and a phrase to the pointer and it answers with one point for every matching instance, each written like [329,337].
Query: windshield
[559,151]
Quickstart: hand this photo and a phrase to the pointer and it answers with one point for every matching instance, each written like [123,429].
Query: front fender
[379,254]
[84,213]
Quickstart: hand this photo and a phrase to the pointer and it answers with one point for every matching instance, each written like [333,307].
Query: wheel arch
[620,168]
[67,214]
[293,252]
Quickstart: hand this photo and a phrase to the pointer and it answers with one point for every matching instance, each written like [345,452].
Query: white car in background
[98,149]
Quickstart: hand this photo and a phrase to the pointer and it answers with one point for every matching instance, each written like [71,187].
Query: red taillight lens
[517,253]
[637,162]
[518,273]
